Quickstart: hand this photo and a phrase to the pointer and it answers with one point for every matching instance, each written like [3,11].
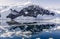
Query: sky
[44,3]
[49,3]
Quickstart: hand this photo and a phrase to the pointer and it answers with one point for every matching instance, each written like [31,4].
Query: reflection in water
[33,27]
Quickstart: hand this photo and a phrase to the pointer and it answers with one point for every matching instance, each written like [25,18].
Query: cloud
[10,2]
[43,3]
[5,2]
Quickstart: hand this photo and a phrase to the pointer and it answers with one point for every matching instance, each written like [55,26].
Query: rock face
[31,11]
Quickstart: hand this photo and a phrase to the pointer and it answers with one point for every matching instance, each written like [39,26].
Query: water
[41,29]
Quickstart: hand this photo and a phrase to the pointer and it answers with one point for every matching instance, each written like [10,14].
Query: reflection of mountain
[34,27]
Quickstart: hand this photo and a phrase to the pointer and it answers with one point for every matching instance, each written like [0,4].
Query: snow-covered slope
[7,11]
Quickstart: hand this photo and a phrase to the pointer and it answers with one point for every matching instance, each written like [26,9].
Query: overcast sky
[44,3]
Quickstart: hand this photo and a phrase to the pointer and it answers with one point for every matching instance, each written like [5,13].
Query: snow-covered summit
[23,11]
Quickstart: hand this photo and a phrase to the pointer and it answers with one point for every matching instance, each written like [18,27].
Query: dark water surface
[39,30]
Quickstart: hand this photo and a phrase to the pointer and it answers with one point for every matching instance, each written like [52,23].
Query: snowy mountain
[9,29]
[24,14]
[17,9]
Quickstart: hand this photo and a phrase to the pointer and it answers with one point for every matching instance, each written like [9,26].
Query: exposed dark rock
[31,11]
